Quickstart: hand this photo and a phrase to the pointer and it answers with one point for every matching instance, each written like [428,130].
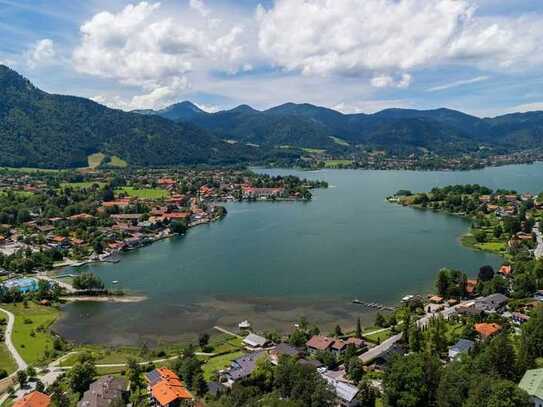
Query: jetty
[373,305]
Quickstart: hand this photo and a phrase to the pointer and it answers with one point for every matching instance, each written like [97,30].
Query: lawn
[104,356]
[216,363]
[95,160]
[117,162]
[337,163]
[339,141]
[27,321]
[377,337]
[6,361]
[81,185]
[314,150]
[147,193]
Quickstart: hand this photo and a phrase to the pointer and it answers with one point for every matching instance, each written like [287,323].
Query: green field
[216,363]
[147,193]
[314,150]
[6,361]
[377,337]
[81,185]
[117,162]
[30,169]
[95,160]
[337,163]
[24,194]
[339,141]
[38,320]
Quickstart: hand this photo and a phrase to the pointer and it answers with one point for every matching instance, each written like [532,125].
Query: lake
[271,263]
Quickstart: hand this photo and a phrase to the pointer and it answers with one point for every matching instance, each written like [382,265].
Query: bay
[274,262]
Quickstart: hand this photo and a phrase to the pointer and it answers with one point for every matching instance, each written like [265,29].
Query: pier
[373,305]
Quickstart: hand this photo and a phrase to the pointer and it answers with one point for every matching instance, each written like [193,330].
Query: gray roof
[255,340]
[286,349]
[103,391]
[245,365]
[345,391]
[463,345]
[491,302]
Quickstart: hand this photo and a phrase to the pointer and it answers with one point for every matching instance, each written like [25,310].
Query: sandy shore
[104,298]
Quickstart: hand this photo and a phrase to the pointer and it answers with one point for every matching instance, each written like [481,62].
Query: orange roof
[170,388]
[165,393]
[176,215]
[470,286]
[319,342]
[505,270]
[486,330]
[34,399]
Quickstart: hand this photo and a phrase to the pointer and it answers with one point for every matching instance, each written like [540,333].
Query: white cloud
[42,53]
[140,46]
[459,83]
[527,107]
[370,106]
[387,81]
[359,36]
[200,7]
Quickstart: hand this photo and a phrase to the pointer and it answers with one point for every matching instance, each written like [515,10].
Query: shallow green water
[272,262]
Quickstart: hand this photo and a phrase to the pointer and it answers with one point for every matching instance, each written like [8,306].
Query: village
[491,322]
[54,220]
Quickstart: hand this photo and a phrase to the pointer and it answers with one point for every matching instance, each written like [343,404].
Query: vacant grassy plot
[337,163]
[30,169]
[81,185]
[339,141]
[105,356]
[216,363]
[148,193]
[31,334]
[95,160]
[314,150]
[6,361]
[377,337]
[117,162]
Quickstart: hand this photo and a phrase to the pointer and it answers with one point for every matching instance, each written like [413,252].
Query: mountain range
[39,129]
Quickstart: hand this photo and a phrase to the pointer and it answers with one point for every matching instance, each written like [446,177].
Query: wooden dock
[373,305]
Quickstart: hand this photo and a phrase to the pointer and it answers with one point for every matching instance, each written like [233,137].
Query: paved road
[68,287]
[378,350]
[21,364]
[538,253]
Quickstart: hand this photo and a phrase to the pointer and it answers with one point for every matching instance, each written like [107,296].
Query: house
[283,349]
[105,391]
[487,330]
[436,299]
[491,303]
[242,367]
[23,285]
[358,343]
[33,399]
[506,270]
[167,389]
[253,341]
[338,347]
[318,343]
[471,285]
[532,383]
[345,392]
[462,346]
[519,318]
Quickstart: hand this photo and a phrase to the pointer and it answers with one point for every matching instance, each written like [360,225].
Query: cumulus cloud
[370,106]
[359,36]
[200,7]
[139,46]
[387,81]
[42,53]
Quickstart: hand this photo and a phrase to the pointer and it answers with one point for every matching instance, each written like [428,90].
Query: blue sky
[483,57]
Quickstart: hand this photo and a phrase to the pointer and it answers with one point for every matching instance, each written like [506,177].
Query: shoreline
[121,299]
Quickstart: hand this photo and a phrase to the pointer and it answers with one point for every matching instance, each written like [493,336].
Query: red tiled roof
[486,330]
[319,342]
[34,399]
